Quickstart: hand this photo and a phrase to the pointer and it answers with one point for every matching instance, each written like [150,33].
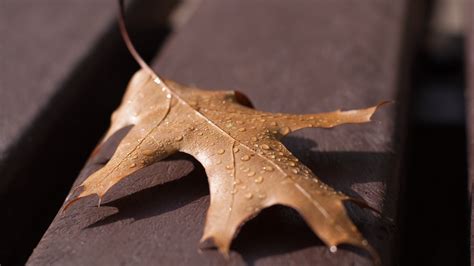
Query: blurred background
[437,179]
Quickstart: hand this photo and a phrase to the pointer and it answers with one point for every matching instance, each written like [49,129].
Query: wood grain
[307,56]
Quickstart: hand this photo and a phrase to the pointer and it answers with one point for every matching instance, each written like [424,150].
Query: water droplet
[218,162]
[133,165]
[284,130]
[245,169]
[147,152]
[236,182]
[333,249]
[294,170]
[168,96]
[251,173]
[242,129]
[259,179]
[265,146]
[245,158]
[262,195]
[291,163]
[229,167]
[200,133]
[179,138]
[221,151]
[236,149]
[268,168]
[248,196]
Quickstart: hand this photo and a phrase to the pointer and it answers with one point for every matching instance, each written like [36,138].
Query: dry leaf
[247,166]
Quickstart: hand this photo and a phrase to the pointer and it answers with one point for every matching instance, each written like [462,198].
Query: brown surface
[56,58]
[38,77]
[34,66]
[310,56]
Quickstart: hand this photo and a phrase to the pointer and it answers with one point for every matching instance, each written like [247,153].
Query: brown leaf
[248,168]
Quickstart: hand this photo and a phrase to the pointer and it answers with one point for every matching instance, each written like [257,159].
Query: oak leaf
[248,168]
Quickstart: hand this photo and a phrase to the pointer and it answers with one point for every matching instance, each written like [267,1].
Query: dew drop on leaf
[265,146]
[245,158]
[268,168]
[147,152]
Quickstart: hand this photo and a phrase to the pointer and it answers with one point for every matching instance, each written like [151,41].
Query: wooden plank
[304,56]
[57,58]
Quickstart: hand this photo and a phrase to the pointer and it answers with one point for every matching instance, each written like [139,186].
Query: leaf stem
[128,42]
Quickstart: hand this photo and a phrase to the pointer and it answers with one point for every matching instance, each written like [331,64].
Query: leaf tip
[372,252]
[68,204]
[373,109]
[208,242]
[363,204]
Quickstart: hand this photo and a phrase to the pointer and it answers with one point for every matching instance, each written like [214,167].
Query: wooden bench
[307,56]
[63,70]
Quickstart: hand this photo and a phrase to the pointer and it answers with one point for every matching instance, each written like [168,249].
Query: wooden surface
[62,66]
[28,31]
[307,56]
